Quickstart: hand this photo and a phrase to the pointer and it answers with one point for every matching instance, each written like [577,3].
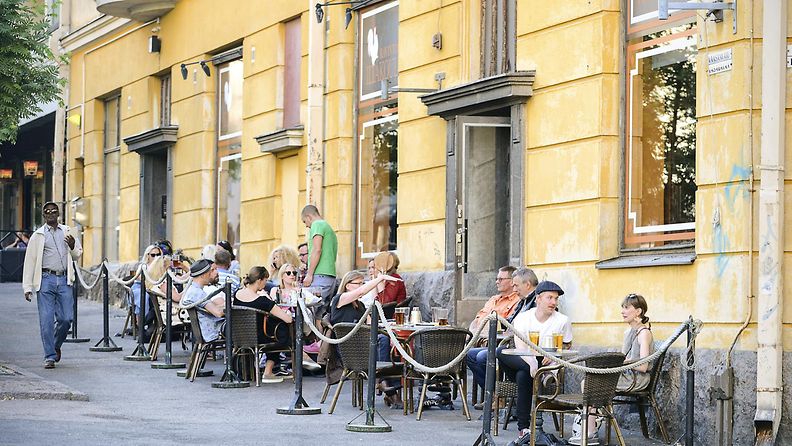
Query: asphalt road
[130,403]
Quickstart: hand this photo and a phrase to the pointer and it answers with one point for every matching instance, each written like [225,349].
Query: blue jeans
[476,360]
[327,285]
[56,311]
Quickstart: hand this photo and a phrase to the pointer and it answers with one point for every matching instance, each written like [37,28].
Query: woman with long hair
[273,328]
[279,257]
[345,306]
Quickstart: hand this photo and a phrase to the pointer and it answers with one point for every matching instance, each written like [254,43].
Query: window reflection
[378,185]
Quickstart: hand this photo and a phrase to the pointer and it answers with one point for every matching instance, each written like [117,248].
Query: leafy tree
[28,69]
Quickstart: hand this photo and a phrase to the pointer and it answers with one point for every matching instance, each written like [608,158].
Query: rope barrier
[688,354]
[417,365]
[663,347]
[202,300]
[82,281]
[308,319]
[152,281]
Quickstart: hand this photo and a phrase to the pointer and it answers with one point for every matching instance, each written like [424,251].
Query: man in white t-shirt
[546,320]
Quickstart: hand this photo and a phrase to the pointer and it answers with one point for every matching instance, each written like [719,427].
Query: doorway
[483,202]
[155,174]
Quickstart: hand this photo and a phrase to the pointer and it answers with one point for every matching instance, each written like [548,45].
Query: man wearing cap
[546,320]
[211,312]
[49,271]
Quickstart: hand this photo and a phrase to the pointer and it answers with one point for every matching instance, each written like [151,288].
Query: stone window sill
[646,259]
[281,140]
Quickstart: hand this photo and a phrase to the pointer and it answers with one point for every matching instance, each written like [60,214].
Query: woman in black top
[270,328]
[345,306]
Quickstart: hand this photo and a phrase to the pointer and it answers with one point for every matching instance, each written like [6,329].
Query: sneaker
[312,348]
[479,406]
[523,437]
[283,372]
[49,364]
[576,439]
[310,365]
[271,379]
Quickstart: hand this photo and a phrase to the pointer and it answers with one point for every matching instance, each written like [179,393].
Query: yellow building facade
[608,150]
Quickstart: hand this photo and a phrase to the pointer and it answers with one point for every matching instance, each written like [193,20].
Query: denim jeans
[327,285]
[56,311]
[476,360]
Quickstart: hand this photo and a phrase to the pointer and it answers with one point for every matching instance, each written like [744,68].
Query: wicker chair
[201,348]
[354,353]
[644,398]
[244,338]
[598,393]
[435,347]
[506,390]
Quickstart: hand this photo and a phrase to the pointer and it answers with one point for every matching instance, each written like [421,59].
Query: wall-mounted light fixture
[204,67]
[348,16]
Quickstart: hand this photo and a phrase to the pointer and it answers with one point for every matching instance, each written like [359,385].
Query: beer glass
[400,315]
[534,336]
[558,340]
[440,316]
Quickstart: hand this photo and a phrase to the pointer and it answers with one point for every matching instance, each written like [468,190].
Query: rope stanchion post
[168,364]
[141,352]
[230,379]
[298,404]
[690,384]
[74,338]
[107,344]
[485,438]
[370,410]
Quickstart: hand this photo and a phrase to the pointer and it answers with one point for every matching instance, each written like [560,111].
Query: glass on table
[558,340]
[440,316]
[400,315]
[534,337]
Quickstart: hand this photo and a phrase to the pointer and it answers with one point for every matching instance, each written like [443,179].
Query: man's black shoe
[57,355]
[49,364]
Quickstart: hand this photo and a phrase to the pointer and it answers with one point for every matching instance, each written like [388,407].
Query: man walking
[322,250]
[49,271]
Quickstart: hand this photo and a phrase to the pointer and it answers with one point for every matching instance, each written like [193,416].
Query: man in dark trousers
[49,272]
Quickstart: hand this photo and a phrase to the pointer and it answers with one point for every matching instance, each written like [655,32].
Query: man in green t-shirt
[322,250]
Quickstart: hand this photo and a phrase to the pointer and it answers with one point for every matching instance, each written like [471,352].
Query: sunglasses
[355,283]
[50,211]
[151,254]
[290,273]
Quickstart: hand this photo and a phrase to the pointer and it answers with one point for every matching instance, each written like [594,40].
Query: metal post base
[106,349]
[299,411]
[139,354]
[200,374]
[108,346]
[299,407]
[365,428]
[173,365]
[77,340]
[231,384]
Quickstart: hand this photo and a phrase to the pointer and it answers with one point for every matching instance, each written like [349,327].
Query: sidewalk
[130,403]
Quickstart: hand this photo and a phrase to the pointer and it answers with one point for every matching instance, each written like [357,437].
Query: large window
[112,177]
[660,152]
[229,147]
[378,124]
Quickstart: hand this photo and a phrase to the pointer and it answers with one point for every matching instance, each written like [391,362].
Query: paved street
[130,403]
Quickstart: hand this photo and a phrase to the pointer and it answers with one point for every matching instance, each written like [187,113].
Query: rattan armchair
[645,397]
[354,353]
[598,392]
[435,347]
[201,348]
[245,338]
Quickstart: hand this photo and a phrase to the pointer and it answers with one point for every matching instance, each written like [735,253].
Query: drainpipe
[315,121]
[59,144]
[771,224]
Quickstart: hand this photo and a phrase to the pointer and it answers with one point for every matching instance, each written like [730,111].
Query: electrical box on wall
[155,44]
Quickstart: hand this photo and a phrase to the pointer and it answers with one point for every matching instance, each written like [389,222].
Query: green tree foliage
[28,69]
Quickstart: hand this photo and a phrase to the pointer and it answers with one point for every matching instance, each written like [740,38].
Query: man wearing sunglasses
[49,271]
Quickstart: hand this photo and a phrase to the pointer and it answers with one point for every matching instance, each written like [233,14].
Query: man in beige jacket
[49,271]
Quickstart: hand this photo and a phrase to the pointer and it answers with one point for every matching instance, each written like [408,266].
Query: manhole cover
[5,371]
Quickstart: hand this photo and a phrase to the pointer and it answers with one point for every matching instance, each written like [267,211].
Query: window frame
[632,233]
[225,144]
[106,152]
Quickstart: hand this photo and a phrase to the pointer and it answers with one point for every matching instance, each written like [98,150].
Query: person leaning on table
[546,320]
[49,271]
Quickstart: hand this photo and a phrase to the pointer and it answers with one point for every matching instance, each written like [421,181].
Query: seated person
[503,303]
[21,240]
[156,270]
[546,320]
[638,344]
[345,306]
[395,292]
[211,312]
[270,328]
[222,261]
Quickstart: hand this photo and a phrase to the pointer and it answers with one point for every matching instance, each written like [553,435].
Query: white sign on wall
[719,61]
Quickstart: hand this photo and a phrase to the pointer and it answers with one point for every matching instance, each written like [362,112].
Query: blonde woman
[156,270]
[286,294]
[345,306]
[279,257]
